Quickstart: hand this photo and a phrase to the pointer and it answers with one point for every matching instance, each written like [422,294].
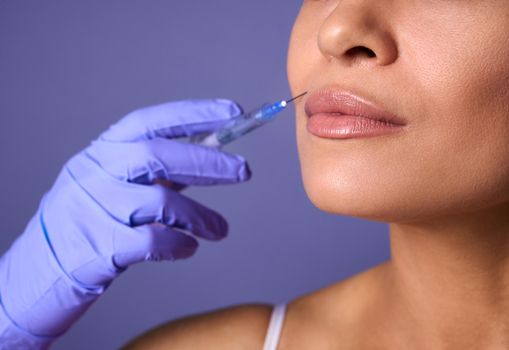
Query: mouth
[340,114]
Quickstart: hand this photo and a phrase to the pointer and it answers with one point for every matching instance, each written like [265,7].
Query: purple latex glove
[108,210]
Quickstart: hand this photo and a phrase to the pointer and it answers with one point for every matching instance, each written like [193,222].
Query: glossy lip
[343,102]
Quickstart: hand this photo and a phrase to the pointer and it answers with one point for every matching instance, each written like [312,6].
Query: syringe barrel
[235,128]
[240,126]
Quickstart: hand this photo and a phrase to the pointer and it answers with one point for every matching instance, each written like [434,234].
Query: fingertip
[244,172]
[234,108]
[215,230]
[187,249]
[182,245]
[241,165]
[223,228]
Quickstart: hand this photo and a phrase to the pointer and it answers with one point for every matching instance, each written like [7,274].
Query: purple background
[68,69]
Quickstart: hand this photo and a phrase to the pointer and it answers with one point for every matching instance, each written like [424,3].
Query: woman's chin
[379,205]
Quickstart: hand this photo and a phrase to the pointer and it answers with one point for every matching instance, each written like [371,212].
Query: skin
[442,184]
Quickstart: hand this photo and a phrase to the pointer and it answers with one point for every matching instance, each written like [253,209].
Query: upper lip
[338,101]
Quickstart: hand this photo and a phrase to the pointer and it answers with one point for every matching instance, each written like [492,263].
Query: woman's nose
[354,32]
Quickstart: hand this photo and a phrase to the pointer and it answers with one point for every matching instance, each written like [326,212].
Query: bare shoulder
[241,326]
[335,316]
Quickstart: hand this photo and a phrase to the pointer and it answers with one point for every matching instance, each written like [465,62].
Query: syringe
[241,125]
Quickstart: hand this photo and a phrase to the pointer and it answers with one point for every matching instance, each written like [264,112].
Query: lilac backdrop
[68,69]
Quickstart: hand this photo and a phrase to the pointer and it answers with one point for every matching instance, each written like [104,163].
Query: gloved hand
[108,210]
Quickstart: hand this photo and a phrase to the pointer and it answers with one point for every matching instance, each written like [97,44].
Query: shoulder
[335,316]
[241,326]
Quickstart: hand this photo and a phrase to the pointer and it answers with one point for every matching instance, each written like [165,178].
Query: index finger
[172,119]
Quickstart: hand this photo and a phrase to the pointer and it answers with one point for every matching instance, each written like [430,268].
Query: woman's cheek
[303,52]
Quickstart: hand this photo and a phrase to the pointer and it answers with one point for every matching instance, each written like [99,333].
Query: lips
[340,114]
[341,102]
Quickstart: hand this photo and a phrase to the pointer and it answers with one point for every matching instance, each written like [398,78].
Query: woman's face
[443,66]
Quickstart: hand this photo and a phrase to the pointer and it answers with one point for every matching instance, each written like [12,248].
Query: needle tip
[296,97]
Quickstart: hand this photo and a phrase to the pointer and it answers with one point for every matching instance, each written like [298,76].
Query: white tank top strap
[275,326]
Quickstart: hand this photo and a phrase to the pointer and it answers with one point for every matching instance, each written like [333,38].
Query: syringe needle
[296,97]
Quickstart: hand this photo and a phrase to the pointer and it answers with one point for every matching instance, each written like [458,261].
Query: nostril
[360,50]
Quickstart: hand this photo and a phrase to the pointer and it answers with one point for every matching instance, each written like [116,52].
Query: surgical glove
[108,209]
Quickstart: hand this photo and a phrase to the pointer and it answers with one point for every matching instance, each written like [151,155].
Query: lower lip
[340,126]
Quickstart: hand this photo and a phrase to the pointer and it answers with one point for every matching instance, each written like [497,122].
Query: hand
[109,208]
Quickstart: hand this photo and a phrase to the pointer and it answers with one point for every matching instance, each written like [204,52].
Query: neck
[450,279]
